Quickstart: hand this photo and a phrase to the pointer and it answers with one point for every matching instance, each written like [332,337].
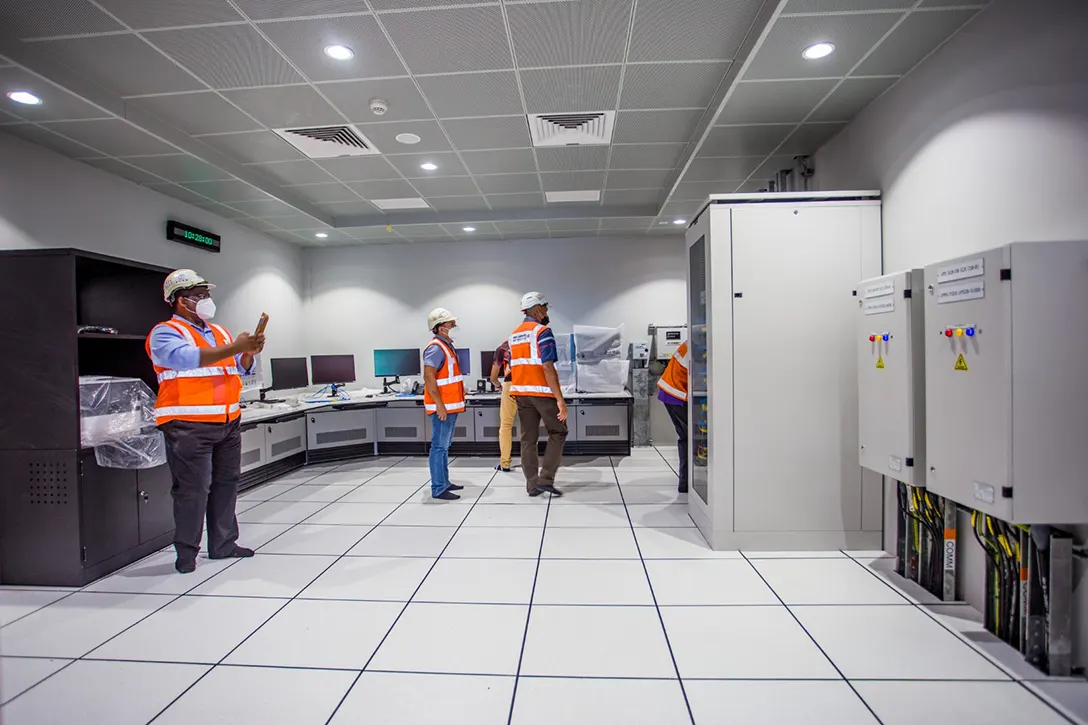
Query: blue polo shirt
[435,355]
[546,344]
[170,349]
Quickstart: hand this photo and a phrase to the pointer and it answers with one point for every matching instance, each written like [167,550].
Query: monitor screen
[329,369]
[392,363]
[289,373]
[487,359]
[464,359]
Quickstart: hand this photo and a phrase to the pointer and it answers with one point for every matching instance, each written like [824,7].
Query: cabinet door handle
[269,429]
[144,496]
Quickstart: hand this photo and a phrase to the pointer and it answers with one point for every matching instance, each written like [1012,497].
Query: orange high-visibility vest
[526,367]
[451,386]
[202,395]
[674,380]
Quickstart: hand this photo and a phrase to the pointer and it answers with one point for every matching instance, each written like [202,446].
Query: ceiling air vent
[572,129]
[326,142]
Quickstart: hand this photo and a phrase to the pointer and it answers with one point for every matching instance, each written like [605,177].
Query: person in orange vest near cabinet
[443,399]
[197,364]
[534,385]
[672,390]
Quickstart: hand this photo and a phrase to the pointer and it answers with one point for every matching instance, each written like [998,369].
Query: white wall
[47,201]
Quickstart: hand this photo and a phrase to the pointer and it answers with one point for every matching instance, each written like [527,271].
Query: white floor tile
[316,539]
[468,496]
[410,478]
[316,494]
[586,462]
[677,543]
[593,516]
[190,629]
[507,515]
[266,492]
[493,542]
[661,479]
[514,479]
[1069,695]
[414,513]
[596,642]
[743,642]
[265,695]
[366,464]
[394,698]
[16,603]
[300,475]
[392,579]
[546,701]
[825,581]
[266,575]
[389,540]
[412,463]
[641,464]
[659,495]
[479,581]
[963,703]
[577,477]
[156,575]
[373,493]
[77,624]
[895,643]
[117,693]
[19,674]
[243,505]
[355,514]
[280,512]
[318,633]
[771,703]
[578,492]
[455,638]
[345,478]
[707,582]
[589,544]
[511,494]
[660,517]
[604,581]
[794,554]
[252,535]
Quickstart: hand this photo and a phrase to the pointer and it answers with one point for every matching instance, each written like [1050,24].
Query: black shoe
[548,488]
[185,565]
[455,487]
[536,492]
[238,552]
[447,495]
[500,468]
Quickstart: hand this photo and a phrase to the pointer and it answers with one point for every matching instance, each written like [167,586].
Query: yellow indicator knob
[959,332]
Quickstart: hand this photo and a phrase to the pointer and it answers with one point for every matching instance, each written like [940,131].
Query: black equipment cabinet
[64,520]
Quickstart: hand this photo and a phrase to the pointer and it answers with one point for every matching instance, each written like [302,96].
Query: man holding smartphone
[197,364]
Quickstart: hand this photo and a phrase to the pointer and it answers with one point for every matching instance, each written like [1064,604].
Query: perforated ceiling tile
[286,106]
[743,140]
[221,209]
[510,161]
[324,193]
[667,30]
[124,170]
[270,9]
[646,156]
[700,190]
[774,102]
[472,94]
[573,181]
[57,104]
[123,64]
[681,209]
[411,165]
[571,90]
[823,6]
[655,126]
[375,232]
[451,40]
[259,224]
[252,147]
[652,179]
[196,113]
[520,227]
[349,208]
[304,41]
[671,85]
[112,137]
[915,38]
[846,101]
[227,191]
[480,229]
[772,165]
[504,132]
[734,169]
[516,201]
[384,136]
[810,137]
[63,17]
[145,14]
[421,231]
[178,192]
[353,99]
[587,158]
[853,36]
[632,196]
[297,222]
[229,56]
[626,223]
[446,186]
[951,3]
[573,225]
[458,203]
[359,169]
[387,189]
[296,172]
[179,168]
[288,237]
[509,183]
[587,32]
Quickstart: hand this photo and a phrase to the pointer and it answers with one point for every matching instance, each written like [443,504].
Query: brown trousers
[532,411]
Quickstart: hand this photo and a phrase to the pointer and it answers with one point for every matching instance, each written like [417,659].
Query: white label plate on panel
[879,306]
[896,464]
[961,270]
[984,492]
[975,290]
[880,289]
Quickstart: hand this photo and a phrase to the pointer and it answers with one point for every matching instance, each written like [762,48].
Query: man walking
[535,387]
[443,399]
[508,409]
[672,390]
[197,364]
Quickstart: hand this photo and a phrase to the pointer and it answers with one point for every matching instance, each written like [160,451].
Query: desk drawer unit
[254,452]
[339,428]
[286,438]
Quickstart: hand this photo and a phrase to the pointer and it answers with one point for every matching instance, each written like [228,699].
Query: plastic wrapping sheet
[592,344]
[564,345]
[117,417]
[142,450]
[603,376]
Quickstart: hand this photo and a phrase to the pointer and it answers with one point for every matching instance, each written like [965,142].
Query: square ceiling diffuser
[556,197]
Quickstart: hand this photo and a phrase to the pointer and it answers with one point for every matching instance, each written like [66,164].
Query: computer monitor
[464,359]
[487,359]
[289,373]
[333,369]
[394,363]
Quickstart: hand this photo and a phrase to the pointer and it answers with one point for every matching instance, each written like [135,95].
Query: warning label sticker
[879,362]
[961,364]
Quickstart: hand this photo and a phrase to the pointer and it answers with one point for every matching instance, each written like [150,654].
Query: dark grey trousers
[205,462]
[533,410]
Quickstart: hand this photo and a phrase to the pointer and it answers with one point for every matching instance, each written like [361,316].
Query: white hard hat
[531,300]
[438,316]
[182,279]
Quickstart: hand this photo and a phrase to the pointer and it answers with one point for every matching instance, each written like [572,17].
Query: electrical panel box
[667,340]
[640,351]
[891,376]
[1006,387]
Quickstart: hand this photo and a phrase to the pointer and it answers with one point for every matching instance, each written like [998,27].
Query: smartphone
[261,324]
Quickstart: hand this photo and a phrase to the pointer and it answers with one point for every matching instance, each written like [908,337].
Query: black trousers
[532,411]
[679,416]
[205,462]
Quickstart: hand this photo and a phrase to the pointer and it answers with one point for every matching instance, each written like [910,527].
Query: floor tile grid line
[982,653]
[657,608]
[817,644]
[403,609]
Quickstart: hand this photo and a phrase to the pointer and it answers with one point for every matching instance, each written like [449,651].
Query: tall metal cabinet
[773,413]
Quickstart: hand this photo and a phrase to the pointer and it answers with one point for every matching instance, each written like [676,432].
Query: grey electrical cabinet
[891,376]
[1006,388]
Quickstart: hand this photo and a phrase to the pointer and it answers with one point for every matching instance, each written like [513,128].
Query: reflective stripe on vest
[526,367]
[208,394]
[197,373]
[674,380]
[540,389]
[450,383]
[177,411]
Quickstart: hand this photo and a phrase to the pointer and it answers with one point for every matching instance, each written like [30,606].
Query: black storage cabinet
[64,520]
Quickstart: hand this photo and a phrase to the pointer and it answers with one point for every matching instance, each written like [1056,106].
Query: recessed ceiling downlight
[469,229]
[820,50]
[321,235]
[25,97]
[408,138]
[428,166]
[339,52]
[679,221]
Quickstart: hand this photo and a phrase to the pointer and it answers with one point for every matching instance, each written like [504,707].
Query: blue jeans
[441,438]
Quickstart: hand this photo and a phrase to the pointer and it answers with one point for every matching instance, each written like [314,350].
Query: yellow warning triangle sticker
[961,364]
[879,362]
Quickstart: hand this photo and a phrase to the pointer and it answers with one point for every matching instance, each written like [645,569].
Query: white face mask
[205,308]
[452,332]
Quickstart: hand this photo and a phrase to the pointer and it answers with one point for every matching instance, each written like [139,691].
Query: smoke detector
[593,128]
[378,107]
[327,142]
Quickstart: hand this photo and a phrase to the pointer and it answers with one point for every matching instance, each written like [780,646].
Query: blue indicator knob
[970,332]
[885,337]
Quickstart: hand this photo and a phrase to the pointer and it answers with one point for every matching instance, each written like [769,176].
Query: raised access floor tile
[585,581]
[316,539]
[724,702]
[397,697]
[825,581]
[19,674]
[707,582]
[589,544]
[392,579]
[267,575]
[17,603]
[550,700]
[493,542]
[963,703]
[156,575]
[479,581]
[386,540]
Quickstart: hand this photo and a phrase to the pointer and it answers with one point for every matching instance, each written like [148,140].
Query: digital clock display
[178,232]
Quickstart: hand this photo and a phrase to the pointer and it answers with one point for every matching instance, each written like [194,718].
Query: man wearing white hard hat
[197,364]
[443,399]
[534,385]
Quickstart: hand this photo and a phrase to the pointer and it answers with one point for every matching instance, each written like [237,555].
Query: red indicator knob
[872,338]
[948,333]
